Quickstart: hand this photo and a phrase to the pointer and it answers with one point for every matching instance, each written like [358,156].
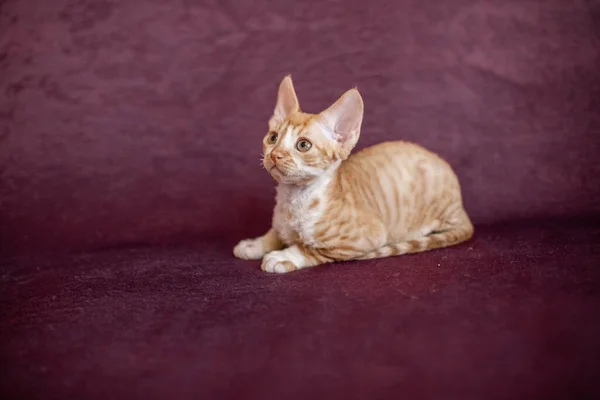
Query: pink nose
[275,156]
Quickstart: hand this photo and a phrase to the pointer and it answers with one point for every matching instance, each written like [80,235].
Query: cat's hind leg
[255,249]
[446,234]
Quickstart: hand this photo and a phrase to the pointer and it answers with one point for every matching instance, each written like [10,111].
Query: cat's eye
[303,145]
[272,138]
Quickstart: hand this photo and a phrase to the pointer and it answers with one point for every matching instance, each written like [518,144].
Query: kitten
[389,199]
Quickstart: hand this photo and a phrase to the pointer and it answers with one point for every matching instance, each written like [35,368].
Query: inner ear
[343,120]
[287,102]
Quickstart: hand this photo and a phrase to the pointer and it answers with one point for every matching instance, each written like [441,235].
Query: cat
[389,199]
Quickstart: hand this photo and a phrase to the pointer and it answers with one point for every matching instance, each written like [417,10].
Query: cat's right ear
[287,102]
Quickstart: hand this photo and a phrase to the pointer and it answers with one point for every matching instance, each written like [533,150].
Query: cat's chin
[281,177]
[286,178]
[276,173]
[293,180]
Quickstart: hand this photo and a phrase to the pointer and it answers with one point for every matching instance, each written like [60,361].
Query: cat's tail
[455,234]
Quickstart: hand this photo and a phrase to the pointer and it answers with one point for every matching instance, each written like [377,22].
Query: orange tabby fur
[389,199]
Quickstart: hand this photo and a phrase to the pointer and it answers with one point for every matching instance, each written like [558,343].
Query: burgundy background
[129,140]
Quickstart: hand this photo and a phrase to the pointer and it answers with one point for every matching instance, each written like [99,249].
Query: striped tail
[448,237]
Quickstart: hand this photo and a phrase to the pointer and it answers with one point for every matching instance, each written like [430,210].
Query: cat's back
[404,184]
[398,168]
[399,154]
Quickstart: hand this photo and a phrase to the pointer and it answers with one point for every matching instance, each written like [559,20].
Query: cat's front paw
[276,263]
[250,249]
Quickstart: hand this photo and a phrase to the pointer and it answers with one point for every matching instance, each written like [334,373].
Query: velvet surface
[130,133]
[512,314]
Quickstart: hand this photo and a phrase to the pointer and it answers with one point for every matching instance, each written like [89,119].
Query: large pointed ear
[343,120]
[287,102]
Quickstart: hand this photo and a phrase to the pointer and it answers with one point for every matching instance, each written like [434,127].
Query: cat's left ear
[343,120]
[287,102]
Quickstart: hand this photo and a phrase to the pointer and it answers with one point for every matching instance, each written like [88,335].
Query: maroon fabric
[129,141]
[512,314]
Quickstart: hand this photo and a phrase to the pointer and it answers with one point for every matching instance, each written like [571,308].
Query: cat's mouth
[277,173]
[274,168]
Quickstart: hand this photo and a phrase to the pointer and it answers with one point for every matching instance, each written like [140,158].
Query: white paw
[250,249]
[274,262]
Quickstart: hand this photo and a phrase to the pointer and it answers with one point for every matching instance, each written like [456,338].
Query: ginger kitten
[389,199]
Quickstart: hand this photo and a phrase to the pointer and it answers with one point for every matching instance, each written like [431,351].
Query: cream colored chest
[295,215]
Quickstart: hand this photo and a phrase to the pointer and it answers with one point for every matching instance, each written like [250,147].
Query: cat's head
[299,146]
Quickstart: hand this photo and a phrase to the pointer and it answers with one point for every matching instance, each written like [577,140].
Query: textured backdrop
[126,124]
[139,121]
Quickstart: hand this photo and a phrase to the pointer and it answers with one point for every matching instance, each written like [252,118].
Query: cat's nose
[275,156]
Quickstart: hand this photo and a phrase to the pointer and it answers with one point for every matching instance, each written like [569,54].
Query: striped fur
[389,199]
